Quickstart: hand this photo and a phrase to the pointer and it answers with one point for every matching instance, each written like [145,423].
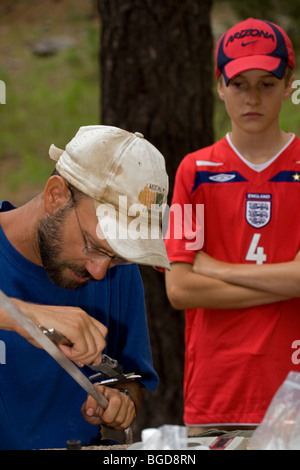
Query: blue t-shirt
[39,402]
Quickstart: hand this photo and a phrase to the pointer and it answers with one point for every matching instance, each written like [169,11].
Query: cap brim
[260,62]
[131,245]
[55,152]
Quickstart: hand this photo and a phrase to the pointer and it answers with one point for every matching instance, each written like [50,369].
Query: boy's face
[253,100]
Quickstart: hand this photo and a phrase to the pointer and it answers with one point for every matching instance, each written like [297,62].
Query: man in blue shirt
[66,260]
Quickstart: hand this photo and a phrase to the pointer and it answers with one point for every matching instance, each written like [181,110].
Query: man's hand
[86,334]
[120,411]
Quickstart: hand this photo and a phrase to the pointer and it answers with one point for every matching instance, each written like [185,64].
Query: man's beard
[50,247]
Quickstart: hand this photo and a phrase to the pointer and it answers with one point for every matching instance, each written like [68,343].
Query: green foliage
[282,12]
[47,100]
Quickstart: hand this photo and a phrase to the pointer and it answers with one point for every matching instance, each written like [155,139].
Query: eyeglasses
[95,253]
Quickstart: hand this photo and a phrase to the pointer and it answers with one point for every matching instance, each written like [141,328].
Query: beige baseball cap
[126,177]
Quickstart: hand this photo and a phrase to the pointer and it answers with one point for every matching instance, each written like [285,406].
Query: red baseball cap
[254,44]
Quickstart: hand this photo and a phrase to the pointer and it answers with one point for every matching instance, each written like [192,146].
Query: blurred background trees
[283,12]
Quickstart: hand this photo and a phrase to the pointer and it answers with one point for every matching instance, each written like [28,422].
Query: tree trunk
[156,78]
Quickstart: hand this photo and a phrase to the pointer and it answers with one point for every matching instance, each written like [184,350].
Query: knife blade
[27,324]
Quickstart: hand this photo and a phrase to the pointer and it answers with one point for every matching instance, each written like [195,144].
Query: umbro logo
[222,177]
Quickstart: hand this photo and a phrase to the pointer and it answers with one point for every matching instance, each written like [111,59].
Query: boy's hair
[288,74]
[254,44]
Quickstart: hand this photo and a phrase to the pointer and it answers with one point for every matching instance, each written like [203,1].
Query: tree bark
[156,78]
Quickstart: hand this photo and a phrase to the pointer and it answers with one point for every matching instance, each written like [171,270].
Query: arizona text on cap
[254,44]
[125,175]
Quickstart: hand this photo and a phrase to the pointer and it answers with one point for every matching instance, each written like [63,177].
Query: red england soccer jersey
[236,360]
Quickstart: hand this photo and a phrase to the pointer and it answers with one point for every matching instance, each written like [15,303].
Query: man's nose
[98,267]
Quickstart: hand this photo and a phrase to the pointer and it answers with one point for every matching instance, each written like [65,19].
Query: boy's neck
[259,148]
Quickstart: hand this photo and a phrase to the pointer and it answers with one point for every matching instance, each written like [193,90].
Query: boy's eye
[237,84]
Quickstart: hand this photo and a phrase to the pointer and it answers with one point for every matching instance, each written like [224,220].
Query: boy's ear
[289,88]
[220,88]
[56,194]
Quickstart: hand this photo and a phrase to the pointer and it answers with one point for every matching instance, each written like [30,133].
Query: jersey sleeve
[184,236]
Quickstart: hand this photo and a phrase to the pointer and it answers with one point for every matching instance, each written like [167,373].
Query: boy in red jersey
[241,289]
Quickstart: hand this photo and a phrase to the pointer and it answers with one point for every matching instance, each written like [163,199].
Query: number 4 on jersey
[255,252]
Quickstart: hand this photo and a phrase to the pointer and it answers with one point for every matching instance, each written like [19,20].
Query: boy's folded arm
[281,279]
[187,289]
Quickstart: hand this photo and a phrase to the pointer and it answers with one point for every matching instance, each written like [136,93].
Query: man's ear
[56,194]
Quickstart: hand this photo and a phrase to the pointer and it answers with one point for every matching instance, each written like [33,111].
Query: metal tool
[35,332]
[108,372]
